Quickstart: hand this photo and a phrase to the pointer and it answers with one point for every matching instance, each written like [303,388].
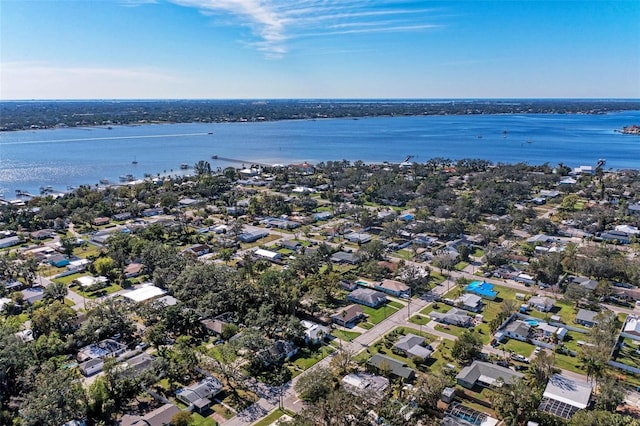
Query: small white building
[88,280]
[145,292]
[267,254]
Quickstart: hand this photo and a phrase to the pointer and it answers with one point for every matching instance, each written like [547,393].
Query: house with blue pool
[482,289]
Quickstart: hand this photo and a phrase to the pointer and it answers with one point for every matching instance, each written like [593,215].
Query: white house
[267,254]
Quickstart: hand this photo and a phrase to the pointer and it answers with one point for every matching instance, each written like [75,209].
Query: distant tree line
[20,115]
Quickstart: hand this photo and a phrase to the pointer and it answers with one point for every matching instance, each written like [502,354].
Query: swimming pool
[532,322]
[482,289]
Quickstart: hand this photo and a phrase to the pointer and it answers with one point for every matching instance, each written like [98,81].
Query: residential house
[616,237]
[144,293]
[632,326]
[586,318]
[88,281]
[342,257]
[411,345]
[214,326]
[314,333]
[365,384]
[199,395]
[33,294]
[542,304]
[634,208]
[394,288]
[155,211]
[550,331]
[517,329]
[161,416]
[486,374]
[322,215]
[383,363]
[292,245]
[348,316]
[197,249]
[282,350]
[453,316]
[469,302]
[358,237]
[267,254]
[91,366]
[586,283]
[122,216]
[133,270]
[100,221]
[42,234]
[367,297]
[252,234]
[9,242]
[107,348]
[564,396]
[58,260]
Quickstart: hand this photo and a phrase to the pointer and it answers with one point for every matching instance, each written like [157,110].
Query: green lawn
[453,330]
[285,252]
[568,362]
[404,254]
[438,307]
[377,315]
[112,288]
[628,355]
[345,334]
[68,279]
[478,253]
[199,420]
[461,265]
[87,250]
[395,304]
[307,358]
[419,319]
[522,348]
[442,356]
[272,417]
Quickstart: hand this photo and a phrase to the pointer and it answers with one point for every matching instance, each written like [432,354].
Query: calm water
[60,158]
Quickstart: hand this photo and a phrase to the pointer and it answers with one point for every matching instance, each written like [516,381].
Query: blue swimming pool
[482,289]
[532,323]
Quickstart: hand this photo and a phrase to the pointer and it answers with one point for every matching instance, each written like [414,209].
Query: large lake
[61,158]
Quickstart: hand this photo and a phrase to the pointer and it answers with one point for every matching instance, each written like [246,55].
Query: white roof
[632,325]
[4,301]
[266,253]
[145,292]
[569,391]
[88,280]
[632,230]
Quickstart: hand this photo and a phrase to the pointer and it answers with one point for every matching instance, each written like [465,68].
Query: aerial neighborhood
[339,293]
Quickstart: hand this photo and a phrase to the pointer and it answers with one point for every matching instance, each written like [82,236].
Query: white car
[537,350]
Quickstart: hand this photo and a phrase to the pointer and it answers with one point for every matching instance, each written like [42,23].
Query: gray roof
[569,391]
[518,327]
[396,367]
[469,299]
[367,295]
[419,352]
[488,373]
[454,315]
[342,256]
[200,391]
[407,342]
[586,315]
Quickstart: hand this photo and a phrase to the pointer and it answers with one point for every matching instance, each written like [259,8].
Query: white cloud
[20,80]
[275,22]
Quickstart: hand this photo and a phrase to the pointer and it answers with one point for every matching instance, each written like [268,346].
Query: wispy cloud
[274,23]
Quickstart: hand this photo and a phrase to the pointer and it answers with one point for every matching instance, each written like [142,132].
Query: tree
[610,394]
[202,168]
[601,418]
[55,291]
[466,347]
[183,418]
[428,390]
[315,384]
[373,250]
[68,245]
[56,317]
[541,368]
[343,362]
[55,397]
[515,403]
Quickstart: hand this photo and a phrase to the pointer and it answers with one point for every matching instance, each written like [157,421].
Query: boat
[134,161]
[184,166]
[127,178]
[210,133]
[104,181]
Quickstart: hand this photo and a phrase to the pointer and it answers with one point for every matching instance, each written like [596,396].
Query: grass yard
[307,358]
[199,420]
[460,266]
[516,346]
[68,279]
[442,356]
[628,355]
[453,330]
[404,254]
[87,250]
[377,315]
[478,253]
[438,307]
[98,293]
[271,418]
[345,334]
[419,319]
[569,363]
[395,304]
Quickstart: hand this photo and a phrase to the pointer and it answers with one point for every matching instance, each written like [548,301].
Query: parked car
[537,350]
[504,364]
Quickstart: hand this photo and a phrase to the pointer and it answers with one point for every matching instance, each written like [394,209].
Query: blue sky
[85,49]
